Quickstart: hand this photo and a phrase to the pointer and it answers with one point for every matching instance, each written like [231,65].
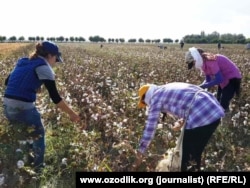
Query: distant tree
[96,39]
[167,40]
[122,40]
[141,40]
[132,40]
[12,39]
[156,40]
[214,37]
[2,38]
[81,39]
[32,39]
[72,39]
[21,39]
[240,39]
[203,34]
[60,39]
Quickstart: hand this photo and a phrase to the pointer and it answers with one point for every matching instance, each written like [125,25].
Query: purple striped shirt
[175,98]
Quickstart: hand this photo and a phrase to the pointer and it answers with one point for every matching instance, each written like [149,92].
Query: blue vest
[23,81]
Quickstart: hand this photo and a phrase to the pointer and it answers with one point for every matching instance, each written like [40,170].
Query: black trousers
[226,94]
[194,143]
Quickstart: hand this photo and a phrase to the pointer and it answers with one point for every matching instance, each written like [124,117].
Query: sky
[127,19]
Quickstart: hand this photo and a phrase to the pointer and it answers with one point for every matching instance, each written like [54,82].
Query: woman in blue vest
[22,85]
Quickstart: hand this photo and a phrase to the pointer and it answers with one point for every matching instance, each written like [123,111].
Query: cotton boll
[171,163]
[170,136]
[245,122]
[20,164]
[160,126]
[2,179]
[64,161]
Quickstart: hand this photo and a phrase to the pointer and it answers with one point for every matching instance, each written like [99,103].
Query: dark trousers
[194,142]
[31,118]
[226,94]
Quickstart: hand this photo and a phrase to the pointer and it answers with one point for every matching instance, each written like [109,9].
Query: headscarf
[150,93]
[147,91]
[197,57]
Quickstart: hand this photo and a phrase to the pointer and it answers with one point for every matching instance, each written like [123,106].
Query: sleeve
[6,80]
[207,79]
[150,128]
[53,92]
[210,83]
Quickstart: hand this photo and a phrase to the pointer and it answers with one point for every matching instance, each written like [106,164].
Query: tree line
[214,37]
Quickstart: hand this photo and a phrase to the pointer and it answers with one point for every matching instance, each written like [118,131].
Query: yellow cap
[142,91]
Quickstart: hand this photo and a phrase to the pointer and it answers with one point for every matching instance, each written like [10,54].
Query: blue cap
[53,49]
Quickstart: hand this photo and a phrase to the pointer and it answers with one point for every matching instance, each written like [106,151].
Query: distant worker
[219,45]
[182,44]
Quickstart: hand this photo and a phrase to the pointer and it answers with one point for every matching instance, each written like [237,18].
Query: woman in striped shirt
[200,110]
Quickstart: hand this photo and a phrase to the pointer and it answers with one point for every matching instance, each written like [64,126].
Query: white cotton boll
[95,168]
[2,179]
[19,150]
[77,150]
[235,124]
[105,116]
[30,141]
[94,116]
[125,120]
[58,117]
[169,164]
[170,136]
[134,95]
[245,122]
[22,142]
[119,125]
[64,161]
[207,161]
[68,99]
[84,132]
[20,164]
[237,116]
[25,158]
[160,126]
[177,124]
